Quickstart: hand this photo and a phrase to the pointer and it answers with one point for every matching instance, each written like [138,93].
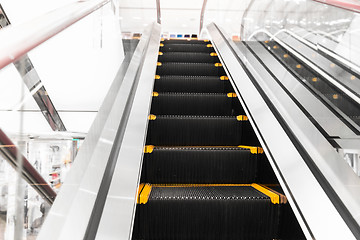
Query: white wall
[76,67]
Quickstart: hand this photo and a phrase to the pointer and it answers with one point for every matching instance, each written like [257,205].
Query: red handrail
[30,174]
[351,5]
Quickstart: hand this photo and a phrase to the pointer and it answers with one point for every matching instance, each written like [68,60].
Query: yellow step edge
[140,188]
[155,94]
[209,45]
[224,78]
[253,150]
[275,199]
[218,65]
[149,148]
[143,197]
[161,44]
[152,117]
[201,185]
[161,53]
[283,198]
[242,118]
[157,76]
[213,54]
[232,94]
[159,64]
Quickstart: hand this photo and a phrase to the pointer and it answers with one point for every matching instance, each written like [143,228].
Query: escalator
[344,106]
[204,173]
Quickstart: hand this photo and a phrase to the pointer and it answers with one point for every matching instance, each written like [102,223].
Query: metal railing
[19,40]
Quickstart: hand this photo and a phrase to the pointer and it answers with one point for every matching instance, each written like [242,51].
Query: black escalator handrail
[18,40]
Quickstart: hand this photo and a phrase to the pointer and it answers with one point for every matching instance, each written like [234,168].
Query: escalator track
[204,173]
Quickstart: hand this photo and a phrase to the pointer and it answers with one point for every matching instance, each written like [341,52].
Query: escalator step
[185,41]
[204,48]
[220,104]
[181,165]
[200,84]
[207,69]
[175,130]
[212,212]
[189,57]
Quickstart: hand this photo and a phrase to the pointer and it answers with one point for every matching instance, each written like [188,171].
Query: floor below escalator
[204,173]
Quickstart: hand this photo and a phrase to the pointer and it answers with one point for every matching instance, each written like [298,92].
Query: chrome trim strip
[299,183]
[119,212]
[69,215]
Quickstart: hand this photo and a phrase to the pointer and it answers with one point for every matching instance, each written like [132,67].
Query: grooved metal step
[181,41]
[200,84]
[208,69]
[205,48]
[216,212]
[220,104]
[174,130]
[190,57]
[181,165]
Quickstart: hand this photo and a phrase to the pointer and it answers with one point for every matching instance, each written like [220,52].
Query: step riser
[194,166]
[194,69]
[187,48]
[192,84]
[187,104]
[200,132]
[187,57]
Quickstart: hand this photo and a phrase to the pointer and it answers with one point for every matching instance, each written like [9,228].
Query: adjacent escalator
[339,102]
[204,174]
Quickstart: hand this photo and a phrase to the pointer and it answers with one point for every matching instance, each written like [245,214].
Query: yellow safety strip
[161,53]
[242,118]
[314,79]
[232,94]
[283,198]
[155,94]
[275,199]
[275,47]
[286,55]
[253,150]
[267,41]
[149,148]
[140,188]
[161,44]
[206,40]
[335,96]
[152,117]
[162,39]
[224,78]
[209,45]
[218,65]
[298,66]
[159,64]
[213,54]
[144,193]
[201,185]
[157,76]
